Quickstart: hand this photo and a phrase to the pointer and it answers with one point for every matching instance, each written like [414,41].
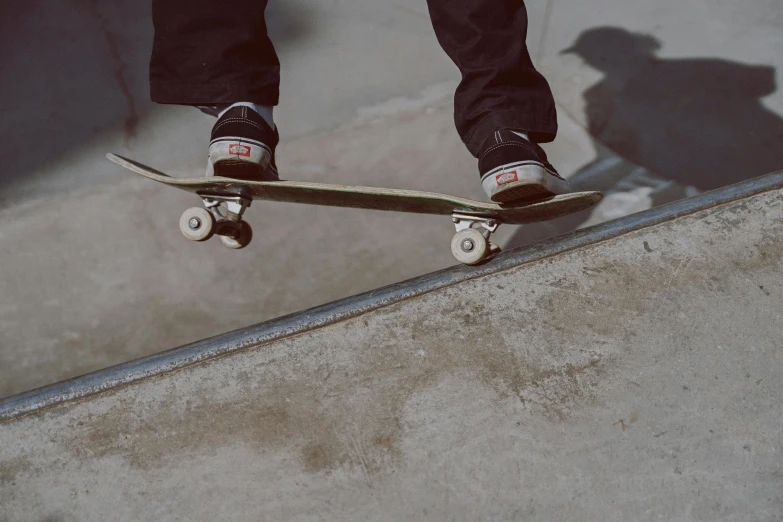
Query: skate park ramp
[626,371]
[94,271]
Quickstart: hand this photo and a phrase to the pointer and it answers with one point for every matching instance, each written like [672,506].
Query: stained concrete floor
[634,378]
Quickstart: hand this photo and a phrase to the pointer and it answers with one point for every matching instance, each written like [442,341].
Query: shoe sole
[240,158]
[520,182]
[519,192]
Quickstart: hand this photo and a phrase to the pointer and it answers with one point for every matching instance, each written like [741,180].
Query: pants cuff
[213,93]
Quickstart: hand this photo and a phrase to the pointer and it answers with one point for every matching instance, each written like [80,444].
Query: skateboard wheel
[197,224]
[469,246]
[243,238]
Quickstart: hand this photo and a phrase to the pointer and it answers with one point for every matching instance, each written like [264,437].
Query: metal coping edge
[252,336]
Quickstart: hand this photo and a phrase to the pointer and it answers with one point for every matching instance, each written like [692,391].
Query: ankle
[265,111]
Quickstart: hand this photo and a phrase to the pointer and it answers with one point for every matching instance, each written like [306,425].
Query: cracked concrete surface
[95,273]
[635,379]
[619,381]
[121,69]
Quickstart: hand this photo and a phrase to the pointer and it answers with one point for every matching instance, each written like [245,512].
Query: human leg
[216,54]
[207,53]
[500,91]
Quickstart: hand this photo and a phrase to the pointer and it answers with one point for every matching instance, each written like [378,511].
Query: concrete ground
[94,272]
[632,376]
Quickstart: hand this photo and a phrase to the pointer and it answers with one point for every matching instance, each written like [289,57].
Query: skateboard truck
[470,245]
[221,215]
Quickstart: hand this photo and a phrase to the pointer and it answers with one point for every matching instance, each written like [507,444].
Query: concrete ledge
[253,336]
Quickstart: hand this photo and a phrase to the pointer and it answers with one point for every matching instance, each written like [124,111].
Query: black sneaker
[243,146]
[514,169]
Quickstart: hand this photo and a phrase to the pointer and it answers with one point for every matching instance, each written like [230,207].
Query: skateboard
[225,201]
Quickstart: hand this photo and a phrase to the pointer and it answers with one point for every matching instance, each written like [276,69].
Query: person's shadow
[683,125]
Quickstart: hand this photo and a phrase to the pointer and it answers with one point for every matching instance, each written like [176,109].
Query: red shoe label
[506,177]
[238,149]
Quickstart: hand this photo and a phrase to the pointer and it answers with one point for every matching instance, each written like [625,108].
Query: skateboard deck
[238,194]
[371,198]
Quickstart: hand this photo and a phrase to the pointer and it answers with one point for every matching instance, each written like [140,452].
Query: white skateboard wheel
[242,240]
[197,224]
[469,246]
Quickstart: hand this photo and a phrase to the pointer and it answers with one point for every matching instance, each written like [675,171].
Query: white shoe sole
[522,181]
[240,149]
[240,158]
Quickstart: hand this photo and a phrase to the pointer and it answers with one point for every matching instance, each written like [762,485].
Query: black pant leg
[209,52]
[500,88]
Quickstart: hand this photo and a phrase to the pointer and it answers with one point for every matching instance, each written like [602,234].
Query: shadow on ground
[686,125]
